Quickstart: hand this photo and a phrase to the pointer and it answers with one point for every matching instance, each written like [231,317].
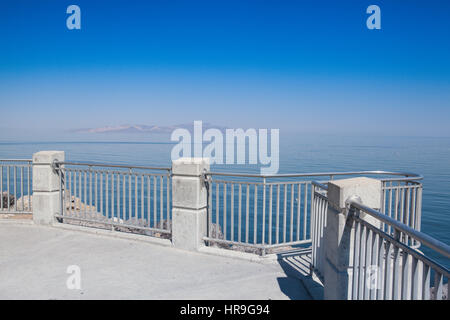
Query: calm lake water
[429,157]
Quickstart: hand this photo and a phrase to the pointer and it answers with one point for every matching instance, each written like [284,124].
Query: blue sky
[301,66]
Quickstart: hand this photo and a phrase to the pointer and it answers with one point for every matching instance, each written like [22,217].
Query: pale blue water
[429,157]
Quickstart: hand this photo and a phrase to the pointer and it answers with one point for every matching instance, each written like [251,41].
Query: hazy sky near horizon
[302,66]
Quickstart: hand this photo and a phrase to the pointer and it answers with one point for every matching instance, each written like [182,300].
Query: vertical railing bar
[367,263]
[120,216]
[426,282]
[69,190]
[224,217]
[406,274]
[313,234]
[155,208]
[112,196]
[107,194]
[255,214]
[15,186]
[232,211]
[396,276]
[356,251]
[247,213]
[136,204]
[305,209]
[217,210]
[415,285]
[263,239]
[362,255]
[142,201]
[438,285]
[210,209]
[270,213]
[1,187]
[85,193]
[388,273]
[284,212]
[291,221]
[161,201]
[299,190]
[8,187]
[96,192]
[407,213]
[240,213]
[277,223]
[21,189]
[168,217]
[148,201]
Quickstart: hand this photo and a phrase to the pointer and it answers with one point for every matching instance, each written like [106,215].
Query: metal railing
[133,199]
[15,185]
[259,213]
[402,201]
[406,207]
[386,268]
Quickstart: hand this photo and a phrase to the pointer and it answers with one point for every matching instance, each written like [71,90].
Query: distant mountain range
[145,128]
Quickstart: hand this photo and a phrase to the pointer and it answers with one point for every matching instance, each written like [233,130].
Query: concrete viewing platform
[34,261]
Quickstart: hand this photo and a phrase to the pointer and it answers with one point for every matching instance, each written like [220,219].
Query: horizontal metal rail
[16,186]
[423,238]
[90,164]
[408,176]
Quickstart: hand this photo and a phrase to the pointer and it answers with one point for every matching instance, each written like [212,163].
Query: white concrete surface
[34,260]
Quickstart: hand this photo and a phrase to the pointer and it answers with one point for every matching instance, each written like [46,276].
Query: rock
[25,203]
[5,200]
[444,290]
[215,232]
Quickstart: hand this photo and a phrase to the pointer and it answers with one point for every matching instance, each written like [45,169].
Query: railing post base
[189,202]
[339,232]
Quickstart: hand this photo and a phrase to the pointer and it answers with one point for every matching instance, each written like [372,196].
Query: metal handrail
[425,239]
[320,185]
[16,160]
[57,163]
[408,176]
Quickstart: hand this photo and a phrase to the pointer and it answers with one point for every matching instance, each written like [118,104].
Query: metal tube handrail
[408,175]
[425,239]
[320,185]
[109,165]
[16,160]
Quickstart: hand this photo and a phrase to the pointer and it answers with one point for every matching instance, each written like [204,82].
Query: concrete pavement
[34,261]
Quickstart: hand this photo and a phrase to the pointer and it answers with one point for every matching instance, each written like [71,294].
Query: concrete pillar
[340,230]
[46,183]
[189,202]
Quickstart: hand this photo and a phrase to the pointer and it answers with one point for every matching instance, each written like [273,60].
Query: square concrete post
[339,232]
[189,202]
[46,184]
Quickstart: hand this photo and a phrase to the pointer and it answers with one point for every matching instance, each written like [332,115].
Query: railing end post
[47,186]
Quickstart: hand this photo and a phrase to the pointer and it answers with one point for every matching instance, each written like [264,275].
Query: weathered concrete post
[189,202]
[46,184]
[340,230]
